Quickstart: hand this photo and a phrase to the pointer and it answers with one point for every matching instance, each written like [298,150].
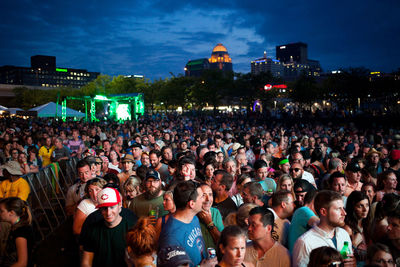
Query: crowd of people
[210,191]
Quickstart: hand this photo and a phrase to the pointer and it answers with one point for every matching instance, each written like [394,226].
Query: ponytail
[20,208]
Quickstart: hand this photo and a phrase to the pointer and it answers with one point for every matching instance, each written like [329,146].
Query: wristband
[210,226]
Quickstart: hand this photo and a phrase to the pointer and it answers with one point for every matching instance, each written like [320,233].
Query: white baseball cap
[108,197]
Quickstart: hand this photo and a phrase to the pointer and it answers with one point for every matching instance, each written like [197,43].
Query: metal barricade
[48,195]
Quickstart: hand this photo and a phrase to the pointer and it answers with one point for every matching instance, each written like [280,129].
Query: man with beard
[152,198]
[155,160]
[330,209]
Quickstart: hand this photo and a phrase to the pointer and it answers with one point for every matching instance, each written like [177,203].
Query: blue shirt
[299,225]
[186,235]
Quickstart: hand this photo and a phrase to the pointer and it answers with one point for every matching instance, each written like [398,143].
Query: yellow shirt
[19,188]
[45,155]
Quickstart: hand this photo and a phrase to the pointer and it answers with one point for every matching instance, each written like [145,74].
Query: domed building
[220,58]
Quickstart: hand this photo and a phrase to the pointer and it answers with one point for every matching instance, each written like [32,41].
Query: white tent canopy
[14,110]
[49,110]
[3,108]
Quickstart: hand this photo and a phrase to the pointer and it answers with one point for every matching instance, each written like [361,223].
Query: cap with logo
[172,256]
[152,174]
[108,197]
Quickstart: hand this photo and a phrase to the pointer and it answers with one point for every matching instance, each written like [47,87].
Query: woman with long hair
[87,205]
[114,161]
[20,239]
[131,189]
[208,171]
[285,182]
[357,218]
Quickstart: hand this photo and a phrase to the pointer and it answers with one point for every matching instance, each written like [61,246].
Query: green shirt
[142,206]
[217,220]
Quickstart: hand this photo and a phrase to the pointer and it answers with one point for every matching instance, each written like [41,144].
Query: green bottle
[345,252]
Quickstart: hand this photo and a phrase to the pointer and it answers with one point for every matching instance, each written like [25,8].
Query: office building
[292,53]
[195,68]
[43,72]
[265,64]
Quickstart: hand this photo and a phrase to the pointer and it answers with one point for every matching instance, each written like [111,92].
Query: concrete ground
[60,249]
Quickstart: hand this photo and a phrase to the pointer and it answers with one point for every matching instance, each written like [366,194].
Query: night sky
[156,38]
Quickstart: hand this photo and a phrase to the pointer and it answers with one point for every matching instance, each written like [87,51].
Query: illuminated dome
[220,48]
[220,58]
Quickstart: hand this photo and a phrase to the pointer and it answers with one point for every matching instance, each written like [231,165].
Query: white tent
[14,110]
[2,108]
[49,110]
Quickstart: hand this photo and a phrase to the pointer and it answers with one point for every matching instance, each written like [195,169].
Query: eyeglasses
[294,169]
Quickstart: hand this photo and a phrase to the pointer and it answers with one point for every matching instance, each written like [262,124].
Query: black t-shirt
[95,140]
[107,244]
[225,207]
[10,256]
[96,217]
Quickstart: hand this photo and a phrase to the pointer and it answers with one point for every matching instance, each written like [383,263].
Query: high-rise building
[220,59]
[43,72]
[265,64]
[292,53]
[294,57]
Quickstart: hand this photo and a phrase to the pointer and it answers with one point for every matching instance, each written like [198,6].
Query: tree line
[214,87]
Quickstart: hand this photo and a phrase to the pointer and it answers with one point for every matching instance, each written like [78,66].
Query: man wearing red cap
[104,243]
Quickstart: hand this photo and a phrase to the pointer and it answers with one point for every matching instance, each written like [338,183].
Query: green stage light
[123,112]
[100,97]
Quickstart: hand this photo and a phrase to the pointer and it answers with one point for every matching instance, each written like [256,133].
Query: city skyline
[157,38]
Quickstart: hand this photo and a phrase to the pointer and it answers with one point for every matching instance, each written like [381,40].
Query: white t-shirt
[87,206]
[315,238]
[308,177]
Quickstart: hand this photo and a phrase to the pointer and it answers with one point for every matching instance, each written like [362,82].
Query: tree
[305,90]
[211,87]
[99,86]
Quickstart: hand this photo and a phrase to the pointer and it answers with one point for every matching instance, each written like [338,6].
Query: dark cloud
[155,38]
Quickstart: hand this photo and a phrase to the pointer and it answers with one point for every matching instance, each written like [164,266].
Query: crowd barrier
[48,194]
